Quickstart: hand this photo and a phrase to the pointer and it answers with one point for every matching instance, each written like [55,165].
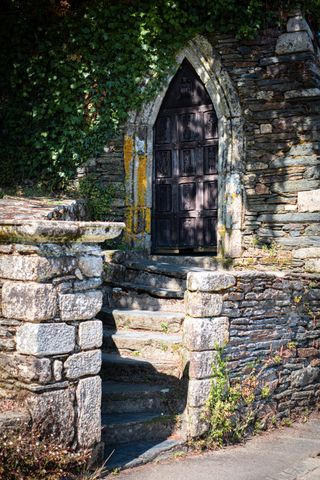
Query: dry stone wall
[108,168]
[276,80]
[268,319]
[50,340]
[277,77]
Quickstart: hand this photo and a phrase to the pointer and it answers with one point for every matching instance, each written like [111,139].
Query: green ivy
[99,198]
[71,70]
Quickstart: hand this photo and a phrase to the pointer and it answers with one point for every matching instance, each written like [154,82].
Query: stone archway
[138,153]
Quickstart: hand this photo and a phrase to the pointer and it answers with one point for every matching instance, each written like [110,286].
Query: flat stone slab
[146,320]
[124,427]
[57,231]
[202,261]
[130,418]
[118,367]
[133,454]
[41,208]
[163,268]
[144,336]
[153,291]
[125,397]
[123,390]
[151,345]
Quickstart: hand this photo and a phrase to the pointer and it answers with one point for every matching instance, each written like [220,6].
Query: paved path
[285,454]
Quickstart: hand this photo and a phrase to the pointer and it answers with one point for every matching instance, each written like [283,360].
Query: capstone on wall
[276,78]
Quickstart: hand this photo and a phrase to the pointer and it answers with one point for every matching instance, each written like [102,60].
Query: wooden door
[185,192]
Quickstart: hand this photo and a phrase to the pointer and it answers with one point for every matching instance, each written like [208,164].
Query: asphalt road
[290,453]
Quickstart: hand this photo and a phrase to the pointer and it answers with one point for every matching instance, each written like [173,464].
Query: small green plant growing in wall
[164,327]
[265,391]
[297,299]
[254,241]
[291,345]
[230,410]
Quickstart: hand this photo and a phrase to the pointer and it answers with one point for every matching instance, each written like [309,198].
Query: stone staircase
[144,363]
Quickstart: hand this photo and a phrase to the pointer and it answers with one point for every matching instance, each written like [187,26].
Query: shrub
[231,407]
[28,456]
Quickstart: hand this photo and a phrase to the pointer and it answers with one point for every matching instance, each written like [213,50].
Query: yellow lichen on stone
[148,220]
[129,223]
[142,180]
[222,230]
[138,217]
[127,154]
[127,160]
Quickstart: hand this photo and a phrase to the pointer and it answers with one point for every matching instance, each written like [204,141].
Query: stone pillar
[50,340]
[204,329]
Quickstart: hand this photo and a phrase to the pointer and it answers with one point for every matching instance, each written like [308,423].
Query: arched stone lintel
[139,131]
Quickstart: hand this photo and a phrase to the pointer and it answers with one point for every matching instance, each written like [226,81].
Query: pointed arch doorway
[140,163]
[185,170]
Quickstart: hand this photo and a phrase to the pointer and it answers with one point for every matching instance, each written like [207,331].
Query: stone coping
[42,208]
[58,231]
[251,274]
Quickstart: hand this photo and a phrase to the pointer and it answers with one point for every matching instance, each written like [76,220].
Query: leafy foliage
[99,198]
[231,408]
[71,70]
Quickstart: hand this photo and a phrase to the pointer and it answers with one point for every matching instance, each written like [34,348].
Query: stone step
[133,454]
[122,428]
[120,397]
[202,261]
[166,322]
[154,279]
[175,270]
[151,290]
[145,272]
[150,345]
[120,298]
[131,369]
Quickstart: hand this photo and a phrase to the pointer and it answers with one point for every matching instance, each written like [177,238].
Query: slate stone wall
[268,319]
[50,341]
[276,78]
[108,168]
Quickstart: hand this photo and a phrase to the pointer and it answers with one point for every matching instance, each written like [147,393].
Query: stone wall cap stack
[210,281]
[58,231]
[298,23]
[293,42]
[307,252]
